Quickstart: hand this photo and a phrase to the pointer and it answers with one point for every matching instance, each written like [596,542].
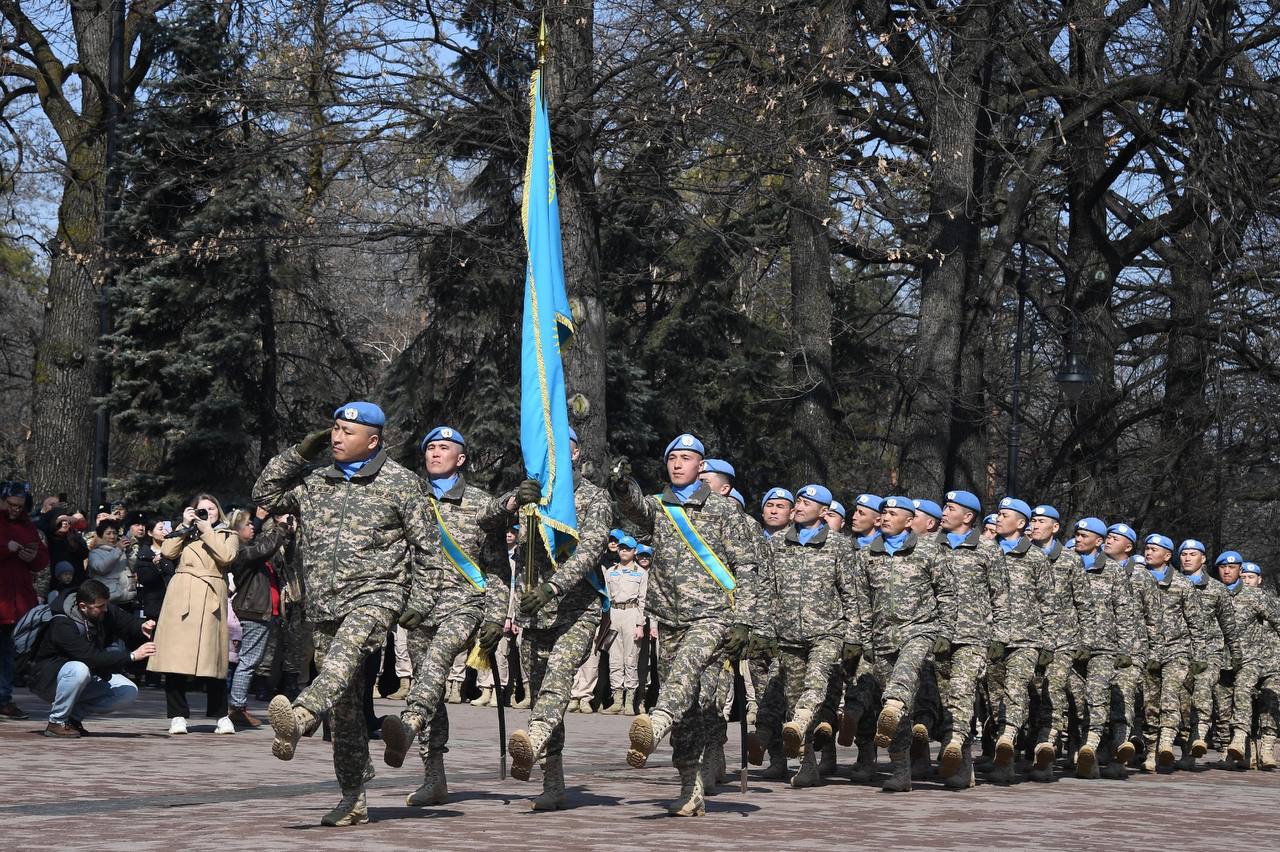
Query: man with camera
[78,662]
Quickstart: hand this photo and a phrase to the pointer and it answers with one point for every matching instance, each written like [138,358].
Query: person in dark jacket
[76,666]
[256,603]
[153,570]
[67,544]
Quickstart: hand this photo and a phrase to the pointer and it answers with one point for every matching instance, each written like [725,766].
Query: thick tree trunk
[567,85]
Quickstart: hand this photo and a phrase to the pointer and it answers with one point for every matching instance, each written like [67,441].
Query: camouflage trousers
[1126,690]
[1250,681]
[687,694]
[898,676]
[1055,696]
[1021,681]
[554,654]
[1224,694]
[800,679]
[341,649]
[1090,687]
[1197,712]
[432,649]
[861,697]
[958,674]
[291,639]
[928,709]
[1164,694]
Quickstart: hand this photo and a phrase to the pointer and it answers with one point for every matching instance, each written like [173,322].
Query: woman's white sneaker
[225,726]
[177,725]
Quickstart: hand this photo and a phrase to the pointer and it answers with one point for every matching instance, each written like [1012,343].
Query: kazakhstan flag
[546,332]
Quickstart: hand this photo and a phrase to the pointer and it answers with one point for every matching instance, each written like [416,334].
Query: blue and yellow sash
[596,583]
[463,563]
[714,566]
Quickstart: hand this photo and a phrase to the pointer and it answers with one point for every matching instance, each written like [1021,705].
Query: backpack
[27,634]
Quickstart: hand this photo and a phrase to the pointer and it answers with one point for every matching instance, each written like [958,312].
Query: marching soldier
[362,518]
[459,596]
[1257,671]
[927,518]
[1125,726]
[1221,644]
[560,614]
[775,510]
[702,591]
[860,689]
[1251,574]
[835,516]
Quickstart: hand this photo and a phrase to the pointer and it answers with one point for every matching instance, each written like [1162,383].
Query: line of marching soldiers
[884,626]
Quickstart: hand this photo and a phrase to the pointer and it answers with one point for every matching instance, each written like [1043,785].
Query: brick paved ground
[132,786]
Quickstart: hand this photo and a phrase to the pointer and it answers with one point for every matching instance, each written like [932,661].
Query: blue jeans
[81,694]
[253,644]
[8,653]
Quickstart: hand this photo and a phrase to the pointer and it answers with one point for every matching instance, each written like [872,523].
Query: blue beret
[1016,505]
[1193,544]
[1124,530]
[443,433]
[1070,544]
[1229,557]
[628,542]
[899,503]
[617,534]
[838,508]
[1093,525]
[817,493]
[737,495]
[360,412]
[1160,541]
[1046,511]
[719,466]
[965,500]
[685,442]
[871,501]
[644,550]
[573,435]
[930,508]
[1139,559]
[989,519]
[777,493]
[1251,568]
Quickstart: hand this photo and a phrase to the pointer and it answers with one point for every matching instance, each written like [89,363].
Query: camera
[202,514]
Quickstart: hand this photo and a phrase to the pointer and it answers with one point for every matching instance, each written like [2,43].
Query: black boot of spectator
[289,686]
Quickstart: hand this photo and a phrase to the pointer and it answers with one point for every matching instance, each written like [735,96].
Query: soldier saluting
[360,520]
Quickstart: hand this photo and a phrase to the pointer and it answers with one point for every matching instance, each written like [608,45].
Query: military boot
[1200,745]
[402,691]
[618,700]
[1005,746]
[526,747]
[963,778]
[753,708]
[1002,775]
[887,723]
[645,734]
[899,780]
[1123,748]
[352,810]
[1046,751]
[690,802]
[629,703]
[1187,762]
[398,734]
[777,768]
[523,703]
[823,731]
[584,706]
[453,694]
[552,798]
[921,763]
[795,731]
[1164,748]
[827,765]
[755,748]
[289,724]
[848,728]
[1149,762]
[485,699]
[435,787]
[1238,746]
[807,775]
[1267,752]
[864,769]
[709,771]
[573,706]
[951,756]
[1087,756]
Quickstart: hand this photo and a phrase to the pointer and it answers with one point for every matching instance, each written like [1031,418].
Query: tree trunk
[269,378]
[567,85]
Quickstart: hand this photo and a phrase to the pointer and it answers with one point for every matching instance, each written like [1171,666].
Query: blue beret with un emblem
[443,433]
[364,413]
[1192,544]
[1015,505]
[1044,510]
[873,502]
[777,493]
[1124,531]
[817,493]
[965,500]
[685,442]
[1160,541]
[930,508]
[897,502]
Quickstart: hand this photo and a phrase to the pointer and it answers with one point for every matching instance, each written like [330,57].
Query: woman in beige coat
[191,633]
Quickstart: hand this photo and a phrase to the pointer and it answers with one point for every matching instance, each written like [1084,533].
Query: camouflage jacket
[1177,619]
[809,587]
[1072,619]
[478,525]
[355,537]
[1145,609]
[681,590]
[577,596]
[1111,602]
[1220,635]
[975,572]
[1257,616]
[903,596]
[1030,611]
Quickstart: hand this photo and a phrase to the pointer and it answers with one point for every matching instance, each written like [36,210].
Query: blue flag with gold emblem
[546,332]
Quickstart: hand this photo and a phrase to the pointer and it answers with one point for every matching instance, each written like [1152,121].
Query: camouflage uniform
[1070,628]
[975,573]
[356,539]
[1221,641]
[1174,645]
[1029,615]
[1128,682]
[808,592]
[1257,618]
[906,604]
[694,612]
[452,607]
[1112,635]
